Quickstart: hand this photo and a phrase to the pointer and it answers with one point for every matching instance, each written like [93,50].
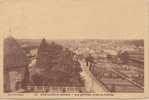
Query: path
[91,84]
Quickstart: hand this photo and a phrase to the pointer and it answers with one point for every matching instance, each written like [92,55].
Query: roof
[14,55]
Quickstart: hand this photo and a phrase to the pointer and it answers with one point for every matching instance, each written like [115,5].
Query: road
[91,84]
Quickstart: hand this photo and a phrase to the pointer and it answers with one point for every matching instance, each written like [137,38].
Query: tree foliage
[58,66]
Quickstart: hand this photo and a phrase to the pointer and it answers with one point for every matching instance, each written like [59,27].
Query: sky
[118,19]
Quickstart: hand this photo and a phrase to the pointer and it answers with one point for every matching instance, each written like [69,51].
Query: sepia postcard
[74,49]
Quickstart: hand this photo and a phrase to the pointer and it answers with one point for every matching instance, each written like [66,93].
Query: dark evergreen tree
[58,65]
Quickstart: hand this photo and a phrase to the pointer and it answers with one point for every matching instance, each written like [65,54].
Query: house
[15,64]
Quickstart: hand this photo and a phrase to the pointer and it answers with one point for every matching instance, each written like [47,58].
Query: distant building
[15,64]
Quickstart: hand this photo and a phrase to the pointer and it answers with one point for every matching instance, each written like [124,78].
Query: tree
[37,79]
[25,81]
[58,65]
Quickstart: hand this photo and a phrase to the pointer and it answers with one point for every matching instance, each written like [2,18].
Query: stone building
[15,64]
